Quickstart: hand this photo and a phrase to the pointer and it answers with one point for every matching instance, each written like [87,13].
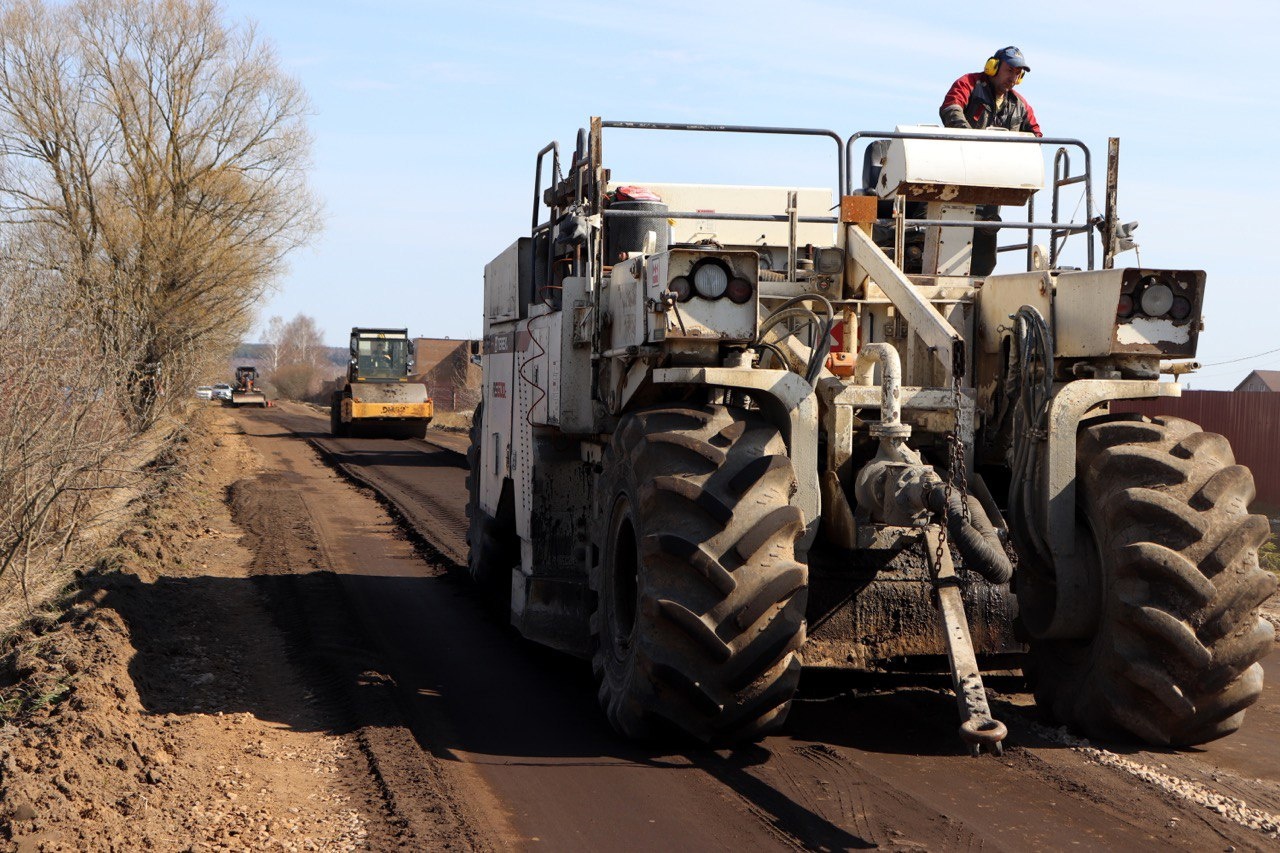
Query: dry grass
[1269,556]
[456,421]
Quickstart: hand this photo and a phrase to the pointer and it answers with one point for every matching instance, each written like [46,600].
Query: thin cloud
[456,73]
[367,85]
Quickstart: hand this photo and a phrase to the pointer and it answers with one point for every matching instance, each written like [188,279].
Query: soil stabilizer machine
[377,399]
[727,427]
[245,391]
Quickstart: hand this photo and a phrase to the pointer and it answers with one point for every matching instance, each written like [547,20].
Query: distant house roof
[1261,380]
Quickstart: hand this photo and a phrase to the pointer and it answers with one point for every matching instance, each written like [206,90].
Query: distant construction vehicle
[245,391]
[724,427]
[377,399]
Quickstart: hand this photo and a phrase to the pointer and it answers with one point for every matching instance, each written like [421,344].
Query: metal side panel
[628,319]
[502,281]
[1084,312]
[574,377]
[496,431]
[541,368]
[551,602]
[949,251]
[1001,296]
[526,398]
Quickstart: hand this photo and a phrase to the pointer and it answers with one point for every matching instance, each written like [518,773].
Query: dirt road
[457,734]
[861,763]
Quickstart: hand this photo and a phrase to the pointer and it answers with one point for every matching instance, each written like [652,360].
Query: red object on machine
[841,363]
[630,193]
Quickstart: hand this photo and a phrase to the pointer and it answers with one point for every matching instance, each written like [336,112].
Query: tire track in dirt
[847,795]
[882,767]
[422,805]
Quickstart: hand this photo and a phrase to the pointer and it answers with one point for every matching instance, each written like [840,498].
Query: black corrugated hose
[976,538]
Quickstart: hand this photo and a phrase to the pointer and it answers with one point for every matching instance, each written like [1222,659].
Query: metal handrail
[1062,161]
[1063,142]
[844,169]
[1072,227]
[841,156]
[741,217]
[554,148]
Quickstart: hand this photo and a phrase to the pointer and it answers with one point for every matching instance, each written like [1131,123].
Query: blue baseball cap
[1012,56]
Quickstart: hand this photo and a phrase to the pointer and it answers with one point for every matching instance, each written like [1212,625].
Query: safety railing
[1058,230]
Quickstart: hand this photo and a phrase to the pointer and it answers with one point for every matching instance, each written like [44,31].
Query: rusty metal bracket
[977,727]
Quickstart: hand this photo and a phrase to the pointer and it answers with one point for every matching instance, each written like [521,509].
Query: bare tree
[158,155]
[274,339]
[152,181]
[300,359]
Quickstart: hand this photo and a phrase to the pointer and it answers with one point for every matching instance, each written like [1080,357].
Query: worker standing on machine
[986,98]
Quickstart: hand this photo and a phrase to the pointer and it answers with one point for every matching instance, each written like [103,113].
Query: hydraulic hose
[975,537]
[794,307]
[1029,389]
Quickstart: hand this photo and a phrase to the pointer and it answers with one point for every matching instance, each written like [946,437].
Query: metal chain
[958,473]
[956,459]
[942,530]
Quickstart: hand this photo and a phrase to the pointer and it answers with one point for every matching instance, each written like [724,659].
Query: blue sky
[428,116]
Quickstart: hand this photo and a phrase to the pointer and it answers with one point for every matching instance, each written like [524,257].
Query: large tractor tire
[336,426]
[1174,658]
[700,601]
[493,546]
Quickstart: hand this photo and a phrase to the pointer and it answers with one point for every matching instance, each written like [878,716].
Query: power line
[1241,358]
[1234,372]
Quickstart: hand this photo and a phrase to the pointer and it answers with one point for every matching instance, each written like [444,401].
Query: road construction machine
[377,399]
[728,429]
[245,391]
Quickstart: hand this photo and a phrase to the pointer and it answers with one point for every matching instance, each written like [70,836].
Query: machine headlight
[1157,299]
[710,279]
[739,290]
[681,287]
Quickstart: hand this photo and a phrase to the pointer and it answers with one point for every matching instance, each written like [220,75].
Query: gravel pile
[1202,795]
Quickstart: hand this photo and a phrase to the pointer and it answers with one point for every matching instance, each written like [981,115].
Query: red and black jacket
[972,100]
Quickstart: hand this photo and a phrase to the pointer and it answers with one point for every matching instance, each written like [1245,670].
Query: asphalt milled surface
[861,762]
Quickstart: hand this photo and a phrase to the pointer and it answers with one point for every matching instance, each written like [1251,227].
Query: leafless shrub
[297,361]
[63,433]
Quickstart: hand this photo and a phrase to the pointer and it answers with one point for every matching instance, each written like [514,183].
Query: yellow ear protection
[993,67]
